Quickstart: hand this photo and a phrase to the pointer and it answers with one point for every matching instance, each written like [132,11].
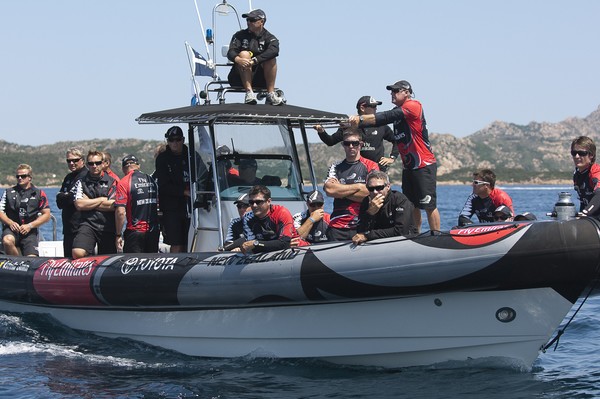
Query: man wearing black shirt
[65,198]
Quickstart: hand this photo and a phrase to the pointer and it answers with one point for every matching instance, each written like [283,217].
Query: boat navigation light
[223,8]
[506,315]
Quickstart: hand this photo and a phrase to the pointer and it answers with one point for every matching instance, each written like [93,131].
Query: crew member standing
[19,209]
[346,183]
[373,137]
[94,198]
[136,207]
[65,199]
[172,173]
[419,164]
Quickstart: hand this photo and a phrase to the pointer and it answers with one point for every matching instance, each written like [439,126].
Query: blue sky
[75,69]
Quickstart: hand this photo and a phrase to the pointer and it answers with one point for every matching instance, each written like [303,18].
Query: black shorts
[27,244]
[419,185]
[138,242]
[258,77]
[175,228]
[87,239]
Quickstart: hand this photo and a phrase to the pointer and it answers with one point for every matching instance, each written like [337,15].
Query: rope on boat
[560,332]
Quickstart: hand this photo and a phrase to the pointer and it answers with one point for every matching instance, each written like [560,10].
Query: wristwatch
[256,243]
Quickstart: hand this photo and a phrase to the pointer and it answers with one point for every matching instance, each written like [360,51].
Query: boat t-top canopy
[242,113]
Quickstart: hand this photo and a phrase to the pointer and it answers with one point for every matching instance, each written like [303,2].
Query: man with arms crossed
[346,184]
[94,198]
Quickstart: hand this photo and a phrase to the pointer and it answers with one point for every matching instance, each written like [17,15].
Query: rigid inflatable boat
[494,290]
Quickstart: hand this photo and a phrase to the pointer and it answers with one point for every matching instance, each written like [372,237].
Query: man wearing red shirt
[419,163]
[485,199]
[267,227]
[586,178]
[136,202]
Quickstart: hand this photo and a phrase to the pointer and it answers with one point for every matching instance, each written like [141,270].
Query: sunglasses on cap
[580,153]
[480,182]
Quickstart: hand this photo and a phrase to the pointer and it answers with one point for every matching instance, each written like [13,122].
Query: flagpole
[203,31]
[193,70]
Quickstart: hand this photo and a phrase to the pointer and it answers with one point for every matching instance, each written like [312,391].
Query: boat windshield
[247,155]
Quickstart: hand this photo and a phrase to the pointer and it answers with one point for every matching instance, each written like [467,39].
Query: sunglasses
[256,202]
[580,153]
[73,160]
[242,206]
[252,19]
[351,143]
[172,139]
[22,176]
[479,182]
[500,217]
[97,163]
[315,204]
[378,188]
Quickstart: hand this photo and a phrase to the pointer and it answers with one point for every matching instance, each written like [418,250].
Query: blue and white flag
[201,65]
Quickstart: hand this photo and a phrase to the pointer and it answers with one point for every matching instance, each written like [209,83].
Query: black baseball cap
[315,197]
[255,14]
[400,85]
[367,100]
[242,199]
[129,159]
[525,216]
[503,211]
[174,131]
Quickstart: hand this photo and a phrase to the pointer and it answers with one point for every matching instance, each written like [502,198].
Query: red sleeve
[501,198]
[595,177]
[44,204]
[371,165]
[122,191]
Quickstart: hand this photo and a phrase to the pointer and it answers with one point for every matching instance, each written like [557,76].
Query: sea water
[40,358]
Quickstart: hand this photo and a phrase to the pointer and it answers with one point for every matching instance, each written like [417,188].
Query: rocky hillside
[537,152]
[48,161]
[533,153]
